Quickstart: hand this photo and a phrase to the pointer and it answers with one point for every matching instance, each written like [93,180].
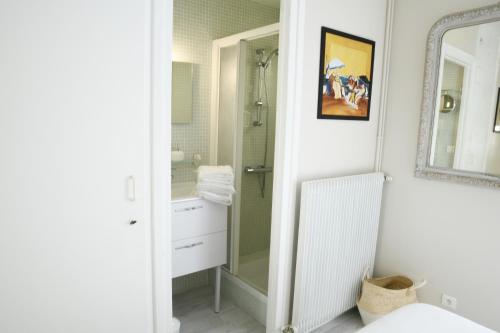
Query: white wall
[326,148]
[464,38]
[447,233]
[338,147]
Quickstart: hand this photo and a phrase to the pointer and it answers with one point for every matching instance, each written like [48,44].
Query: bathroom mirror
[182,92]
[459,136]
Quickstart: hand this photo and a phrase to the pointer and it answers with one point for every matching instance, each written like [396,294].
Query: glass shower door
[245,139]
[258,115]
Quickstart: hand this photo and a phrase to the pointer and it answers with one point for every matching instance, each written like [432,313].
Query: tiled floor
[195,311]
[349,322]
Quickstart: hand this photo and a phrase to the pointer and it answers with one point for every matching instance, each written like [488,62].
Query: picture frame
[496,123]
[345,76]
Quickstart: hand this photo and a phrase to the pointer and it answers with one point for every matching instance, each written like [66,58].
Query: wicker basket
[380,296]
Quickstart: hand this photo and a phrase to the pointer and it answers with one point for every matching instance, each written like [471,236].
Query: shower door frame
[217,45]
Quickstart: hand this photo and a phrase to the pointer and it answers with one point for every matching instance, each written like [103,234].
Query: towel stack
[216,183]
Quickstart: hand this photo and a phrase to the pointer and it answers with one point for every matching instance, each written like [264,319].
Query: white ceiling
[272,3]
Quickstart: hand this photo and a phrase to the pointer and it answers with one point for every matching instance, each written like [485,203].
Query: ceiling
[272,3]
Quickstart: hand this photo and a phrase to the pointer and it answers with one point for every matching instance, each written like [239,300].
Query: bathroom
[224,87]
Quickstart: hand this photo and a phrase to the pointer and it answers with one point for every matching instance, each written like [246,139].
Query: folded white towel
[215,170]
[221,189]
[216,183]
[216,173]
[225,200]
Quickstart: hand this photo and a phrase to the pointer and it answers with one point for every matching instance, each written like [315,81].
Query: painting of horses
[345,76]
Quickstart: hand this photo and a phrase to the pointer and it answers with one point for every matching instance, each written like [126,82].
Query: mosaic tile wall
[196,24]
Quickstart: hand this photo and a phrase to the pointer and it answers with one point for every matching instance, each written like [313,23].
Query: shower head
[260,55]
[271,55]
[260,52]
[265,63]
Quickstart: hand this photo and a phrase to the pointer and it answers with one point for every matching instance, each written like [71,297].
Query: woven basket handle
[366,274]
[419,285]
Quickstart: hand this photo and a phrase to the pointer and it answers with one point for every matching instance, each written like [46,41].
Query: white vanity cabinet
[199,238]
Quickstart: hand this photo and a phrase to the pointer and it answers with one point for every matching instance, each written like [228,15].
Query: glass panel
[182,92]
[259,122]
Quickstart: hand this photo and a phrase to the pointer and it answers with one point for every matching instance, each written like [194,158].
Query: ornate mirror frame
[432,65]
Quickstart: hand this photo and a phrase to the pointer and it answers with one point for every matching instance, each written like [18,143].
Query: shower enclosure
[243,132]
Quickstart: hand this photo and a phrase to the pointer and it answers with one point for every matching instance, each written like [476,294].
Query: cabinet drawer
[195,218]
[198,253]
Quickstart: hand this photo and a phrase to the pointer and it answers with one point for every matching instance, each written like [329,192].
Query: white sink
[184,190]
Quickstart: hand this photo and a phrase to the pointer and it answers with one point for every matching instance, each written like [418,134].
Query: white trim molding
[285,164]
[161,55]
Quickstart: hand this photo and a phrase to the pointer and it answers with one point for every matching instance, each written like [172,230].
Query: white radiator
[337,240]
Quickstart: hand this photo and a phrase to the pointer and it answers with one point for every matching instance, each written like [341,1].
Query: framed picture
[345,76]
[496,125]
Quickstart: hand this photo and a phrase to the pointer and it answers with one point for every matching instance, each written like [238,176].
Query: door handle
[189,246]
[131,188]
[188,209]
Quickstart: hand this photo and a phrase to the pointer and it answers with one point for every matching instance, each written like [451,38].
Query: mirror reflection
[182,92]
[466,134]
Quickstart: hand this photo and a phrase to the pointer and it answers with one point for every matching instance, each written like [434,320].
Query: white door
[74,100]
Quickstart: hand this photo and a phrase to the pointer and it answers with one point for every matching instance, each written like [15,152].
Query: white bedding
[423,318]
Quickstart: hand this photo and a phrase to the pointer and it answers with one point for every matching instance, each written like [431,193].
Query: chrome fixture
[448,102]
[258,169]
[262,66]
